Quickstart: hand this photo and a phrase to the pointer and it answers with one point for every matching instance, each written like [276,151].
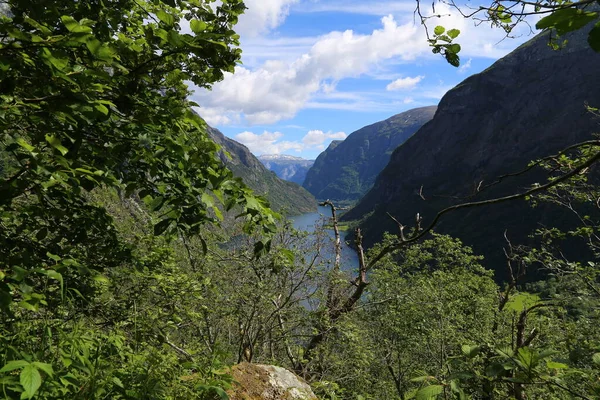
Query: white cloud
[277,89]
[315,137]
[271,143]
[465,66]
[407,83]
[262,16]
[408,100]
[216,117]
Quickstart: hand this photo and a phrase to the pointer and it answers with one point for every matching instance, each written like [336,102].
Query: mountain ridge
[527,105]
[284,196]
[287,167]
[347,169]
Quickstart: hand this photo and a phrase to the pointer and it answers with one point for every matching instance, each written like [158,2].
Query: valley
[309,200]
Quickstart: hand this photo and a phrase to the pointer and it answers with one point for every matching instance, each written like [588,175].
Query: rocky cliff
[528,104]
[287,167]
[284,196]
[347,170]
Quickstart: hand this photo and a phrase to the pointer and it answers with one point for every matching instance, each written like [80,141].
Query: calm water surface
[311,221]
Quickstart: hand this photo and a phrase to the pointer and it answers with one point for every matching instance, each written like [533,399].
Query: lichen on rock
[267,382]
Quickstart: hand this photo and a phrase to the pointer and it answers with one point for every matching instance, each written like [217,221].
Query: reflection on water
[310,221]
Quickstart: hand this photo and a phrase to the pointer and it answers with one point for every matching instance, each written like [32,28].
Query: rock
[346,170]
[528,105]
[267,382]
[287,167]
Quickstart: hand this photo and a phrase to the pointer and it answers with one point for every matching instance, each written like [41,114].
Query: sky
[314,71]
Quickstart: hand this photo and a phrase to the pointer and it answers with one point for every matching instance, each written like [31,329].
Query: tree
[94,101]
[94,95]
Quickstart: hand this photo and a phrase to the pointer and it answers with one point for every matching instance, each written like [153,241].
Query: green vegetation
[522,301]
[134,265]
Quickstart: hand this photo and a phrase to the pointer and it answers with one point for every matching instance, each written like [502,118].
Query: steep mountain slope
[347,170]
[527,105]
[283,196]
[287,167]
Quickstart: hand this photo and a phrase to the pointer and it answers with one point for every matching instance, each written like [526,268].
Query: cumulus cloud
[277,89]
[407,83]
[316,138]
[262,16]
[271,143]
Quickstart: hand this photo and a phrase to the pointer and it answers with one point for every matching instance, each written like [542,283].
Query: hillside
[347,170]
[283,195]
[287,167]
[527,105]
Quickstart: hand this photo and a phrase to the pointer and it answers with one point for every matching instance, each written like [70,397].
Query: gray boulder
[267,382]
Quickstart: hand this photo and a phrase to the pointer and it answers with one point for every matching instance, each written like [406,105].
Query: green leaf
[556,365]
[53,257]
[165,17]
[453,33]
[594,37]
[470,351]
[30,379]
[197,26]
[162,226]
[438,30]
[47,368]
[454,48]
[221,393]
[75,27]
[157,203]
[55,142]
[101,108]
[101,278]
[21,142]
[495,370]
[12,365]
[57,276]
[429,392]
[118,382]
[596,358]
[566,20]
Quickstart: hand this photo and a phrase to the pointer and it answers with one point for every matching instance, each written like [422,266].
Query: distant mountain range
[347,169]
[284,196]
[290,168]
[527,105]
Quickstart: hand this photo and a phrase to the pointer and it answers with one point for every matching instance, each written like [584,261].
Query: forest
[135,265]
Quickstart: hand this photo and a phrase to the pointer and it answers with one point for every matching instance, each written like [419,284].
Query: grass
[341,227]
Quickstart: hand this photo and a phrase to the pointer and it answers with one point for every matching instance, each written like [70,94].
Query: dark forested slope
[527,105]
[283,195]
[347,170]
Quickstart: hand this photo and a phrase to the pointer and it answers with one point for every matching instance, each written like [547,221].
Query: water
[311,221]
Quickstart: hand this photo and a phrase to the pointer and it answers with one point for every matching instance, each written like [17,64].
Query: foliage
[115,281]
[558,17]
[94,101]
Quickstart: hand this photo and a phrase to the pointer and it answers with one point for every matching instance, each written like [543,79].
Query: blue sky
[316,70]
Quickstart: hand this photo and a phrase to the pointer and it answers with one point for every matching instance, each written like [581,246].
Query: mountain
[287,167]
[283,195]
[527,105]
[347,169]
